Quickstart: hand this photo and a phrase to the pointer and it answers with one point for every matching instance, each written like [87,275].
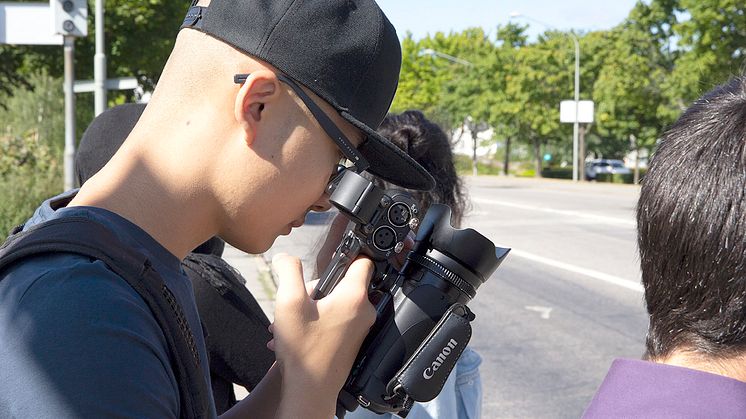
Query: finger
[289,272]
[271,345]
[271,328]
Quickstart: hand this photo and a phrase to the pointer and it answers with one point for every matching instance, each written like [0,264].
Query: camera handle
[346,252]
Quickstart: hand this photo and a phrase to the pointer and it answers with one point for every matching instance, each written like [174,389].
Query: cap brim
[389,162]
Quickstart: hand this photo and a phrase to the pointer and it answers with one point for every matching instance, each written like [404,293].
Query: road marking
[611,279]
[544,311]
[599,218]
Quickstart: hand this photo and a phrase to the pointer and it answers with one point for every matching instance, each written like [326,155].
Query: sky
[421,17]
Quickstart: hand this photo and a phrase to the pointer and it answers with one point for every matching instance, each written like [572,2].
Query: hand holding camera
[422,321]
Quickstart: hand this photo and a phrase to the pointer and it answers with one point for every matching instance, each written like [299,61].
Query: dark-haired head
[692,230]
[428,144]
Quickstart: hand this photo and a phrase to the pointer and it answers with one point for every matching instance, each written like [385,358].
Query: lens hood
[472,250]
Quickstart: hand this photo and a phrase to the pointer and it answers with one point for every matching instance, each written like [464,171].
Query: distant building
[463,143]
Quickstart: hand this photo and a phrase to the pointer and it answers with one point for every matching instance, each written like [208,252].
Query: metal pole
[577,93]
[581,147]
[69,153]
[575,163]
[99,62]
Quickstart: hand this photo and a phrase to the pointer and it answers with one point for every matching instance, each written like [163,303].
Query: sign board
[123,83]
[27,24]
[585,111]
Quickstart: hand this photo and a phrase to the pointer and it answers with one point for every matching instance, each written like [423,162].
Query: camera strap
[424,374]
[80,235]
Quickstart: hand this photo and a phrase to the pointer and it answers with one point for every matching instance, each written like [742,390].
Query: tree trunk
[474,152]
[636,179]
[636,148]
[506,162]
[537,155]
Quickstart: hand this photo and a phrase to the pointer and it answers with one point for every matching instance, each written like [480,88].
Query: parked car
[594,167]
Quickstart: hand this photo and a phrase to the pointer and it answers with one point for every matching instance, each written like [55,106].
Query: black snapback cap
[345,51]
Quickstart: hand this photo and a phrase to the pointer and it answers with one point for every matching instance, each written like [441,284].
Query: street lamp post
[576,167]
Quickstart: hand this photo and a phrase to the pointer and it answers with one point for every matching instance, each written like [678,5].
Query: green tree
[543,77]
[713,43]
[505,97]
[628,89]
[429,83]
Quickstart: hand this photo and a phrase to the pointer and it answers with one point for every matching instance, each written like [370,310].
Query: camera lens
[384,238]
[399,214]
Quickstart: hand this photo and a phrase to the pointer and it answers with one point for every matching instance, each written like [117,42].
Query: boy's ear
[260,88]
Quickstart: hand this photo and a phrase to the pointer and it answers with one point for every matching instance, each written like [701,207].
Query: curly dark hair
[428,144]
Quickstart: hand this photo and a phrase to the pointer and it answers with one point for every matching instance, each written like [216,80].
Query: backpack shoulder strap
[85,237]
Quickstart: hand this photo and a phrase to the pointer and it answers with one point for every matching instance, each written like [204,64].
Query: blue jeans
[461,397]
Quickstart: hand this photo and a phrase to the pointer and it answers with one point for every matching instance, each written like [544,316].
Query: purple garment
[642,389]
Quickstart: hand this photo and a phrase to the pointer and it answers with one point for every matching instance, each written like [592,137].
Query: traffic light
[70,17]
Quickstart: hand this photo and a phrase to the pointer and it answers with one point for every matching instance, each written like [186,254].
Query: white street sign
[123,83]
[27,24]
[585,111]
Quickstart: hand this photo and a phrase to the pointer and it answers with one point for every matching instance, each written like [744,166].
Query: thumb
[289,271]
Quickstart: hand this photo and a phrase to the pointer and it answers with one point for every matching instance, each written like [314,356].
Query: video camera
[422,321]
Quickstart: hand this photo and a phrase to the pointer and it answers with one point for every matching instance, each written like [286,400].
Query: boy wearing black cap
[257,103]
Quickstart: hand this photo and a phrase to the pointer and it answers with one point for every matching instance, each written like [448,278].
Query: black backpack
[85,237]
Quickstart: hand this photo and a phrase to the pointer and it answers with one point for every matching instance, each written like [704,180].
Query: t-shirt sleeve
[77,341]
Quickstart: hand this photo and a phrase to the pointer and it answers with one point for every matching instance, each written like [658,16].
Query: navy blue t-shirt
[77,341]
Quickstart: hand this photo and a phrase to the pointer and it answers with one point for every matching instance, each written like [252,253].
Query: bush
[29,173]
[615,178]
[22,192]
[31,144]
[464,166]
[557,173]
[526,173]
[620,178]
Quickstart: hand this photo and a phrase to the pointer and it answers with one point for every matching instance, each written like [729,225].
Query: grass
[22,191]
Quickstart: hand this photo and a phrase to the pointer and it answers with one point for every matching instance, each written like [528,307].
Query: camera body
[422,321]
[379,222]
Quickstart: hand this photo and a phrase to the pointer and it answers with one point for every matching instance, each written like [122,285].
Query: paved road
[563,305]
[565,302]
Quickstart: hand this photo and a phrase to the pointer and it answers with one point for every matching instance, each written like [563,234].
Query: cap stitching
[272,31]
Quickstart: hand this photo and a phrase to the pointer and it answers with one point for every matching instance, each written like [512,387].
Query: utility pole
[576,166]
[69,152]
[99,62]
[69,19]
